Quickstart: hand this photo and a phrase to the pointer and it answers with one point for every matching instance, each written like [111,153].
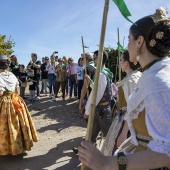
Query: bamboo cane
[84,63]
[95,87]
[117,62]
[119,56]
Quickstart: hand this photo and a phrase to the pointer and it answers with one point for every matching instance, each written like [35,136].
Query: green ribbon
[123,9]
[120,47]
[85,46]
[91,63]
[108,72]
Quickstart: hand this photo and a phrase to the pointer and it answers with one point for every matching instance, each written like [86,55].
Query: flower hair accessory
[152,43]
[159,35]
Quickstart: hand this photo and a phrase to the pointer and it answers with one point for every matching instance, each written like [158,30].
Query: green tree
[113,63]
[6,45]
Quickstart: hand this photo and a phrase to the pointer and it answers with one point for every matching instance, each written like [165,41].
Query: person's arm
[1,92]
[17,87]
[123,136]
[38,65]
[94,159]
[16,90]
[101,89]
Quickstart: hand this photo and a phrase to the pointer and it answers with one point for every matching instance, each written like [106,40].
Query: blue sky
[44,26]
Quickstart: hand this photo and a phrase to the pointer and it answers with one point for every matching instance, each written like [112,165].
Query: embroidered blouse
[153,95]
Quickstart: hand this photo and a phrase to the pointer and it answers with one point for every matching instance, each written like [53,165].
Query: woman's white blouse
[153,95]
[8,81]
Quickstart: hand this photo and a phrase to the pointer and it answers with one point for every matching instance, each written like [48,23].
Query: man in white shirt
[102,118]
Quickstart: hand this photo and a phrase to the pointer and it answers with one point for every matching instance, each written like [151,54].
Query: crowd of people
[52,73]
[137,134]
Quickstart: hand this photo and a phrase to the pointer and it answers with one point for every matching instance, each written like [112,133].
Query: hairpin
[152,43]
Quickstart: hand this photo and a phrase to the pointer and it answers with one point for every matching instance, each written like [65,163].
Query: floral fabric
[17,130]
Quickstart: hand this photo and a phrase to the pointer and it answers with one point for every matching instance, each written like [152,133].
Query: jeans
[42,86]
[67,84]
[52,82]
[22,91]
[32,94]
[73,83]
[102,121]
[38,85]
[80,85]
[44,81]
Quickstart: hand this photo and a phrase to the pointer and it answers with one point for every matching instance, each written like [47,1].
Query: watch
[121,158]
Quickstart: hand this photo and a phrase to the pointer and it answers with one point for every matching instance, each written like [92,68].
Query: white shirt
[100,92]
[8,81]
[153,95]
[80,72]
[50,68]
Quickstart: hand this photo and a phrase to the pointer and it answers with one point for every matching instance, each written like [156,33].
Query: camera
[55,52]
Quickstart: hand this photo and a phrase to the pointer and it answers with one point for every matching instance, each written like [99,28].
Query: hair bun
[160,14]
[158,39]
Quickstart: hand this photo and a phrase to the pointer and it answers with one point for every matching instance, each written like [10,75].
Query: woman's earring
[138,57]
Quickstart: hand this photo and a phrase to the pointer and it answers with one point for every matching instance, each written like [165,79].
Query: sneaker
[75,150]
[50,96]
[38,97]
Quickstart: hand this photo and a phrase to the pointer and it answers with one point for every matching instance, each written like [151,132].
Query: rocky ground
[60,126]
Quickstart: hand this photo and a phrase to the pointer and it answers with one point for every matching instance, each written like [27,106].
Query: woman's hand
[91,156]
[87,78]
[86,116]
[1,92]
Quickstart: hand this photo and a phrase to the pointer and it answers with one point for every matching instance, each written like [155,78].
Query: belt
[104,103]
[143,140]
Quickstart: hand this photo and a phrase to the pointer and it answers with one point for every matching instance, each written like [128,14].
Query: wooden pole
[84,63]
[97,73]
[119,55]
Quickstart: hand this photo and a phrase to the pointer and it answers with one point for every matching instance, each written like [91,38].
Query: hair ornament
[160,14]
[152,43]
[159,35]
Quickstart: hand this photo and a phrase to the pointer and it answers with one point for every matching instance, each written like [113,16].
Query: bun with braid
[158,39]
[156,31]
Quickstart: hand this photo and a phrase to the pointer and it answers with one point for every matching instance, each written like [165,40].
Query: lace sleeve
[157,107]
[2,87]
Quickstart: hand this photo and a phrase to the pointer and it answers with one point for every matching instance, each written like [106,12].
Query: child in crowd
[32,84]
[22,78]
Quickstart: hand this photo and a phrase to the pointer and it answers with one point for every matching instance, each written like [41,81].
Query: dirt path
[59,128]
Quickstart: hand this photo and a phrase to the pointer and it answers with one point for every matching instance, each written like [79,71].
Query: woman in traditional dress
[17,131]
[125,88]
[148,106]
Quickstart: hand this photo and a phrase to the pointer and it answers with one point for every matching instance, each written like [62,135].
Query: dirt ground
[59,126]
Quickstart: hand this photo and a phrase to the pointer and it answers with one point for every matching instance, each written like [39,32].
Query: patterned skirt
[17,130]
